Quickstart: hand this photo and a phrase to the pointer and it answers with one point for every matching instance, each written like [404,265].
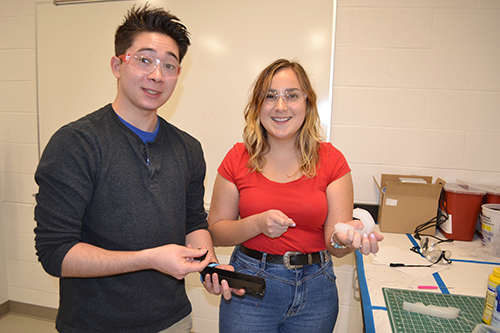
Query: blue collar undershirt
[145,136]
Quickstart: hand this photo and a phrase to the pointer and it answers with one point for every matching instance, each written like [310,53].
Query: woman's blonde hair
[255,135]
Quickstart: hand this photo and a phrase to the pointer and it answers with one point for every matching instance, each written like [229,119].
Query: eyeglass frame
[282,95]
[127,57]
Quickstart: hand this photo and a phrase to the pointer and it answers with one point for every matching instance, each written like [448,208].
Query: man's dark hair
[145,19]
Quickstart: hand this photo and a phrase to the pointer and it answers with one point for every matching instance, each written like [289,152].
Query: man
[120,216]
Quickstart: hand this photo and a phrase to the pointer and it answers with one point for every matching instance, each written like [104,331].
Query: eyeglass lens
[432,252]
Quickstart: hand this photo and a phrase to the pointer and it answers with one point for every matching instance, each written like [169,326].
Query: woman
[278,196]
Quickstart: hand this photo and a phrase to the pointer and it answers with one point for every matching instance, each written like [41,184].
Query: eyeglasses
[432,252]
[291,97]
[147,63]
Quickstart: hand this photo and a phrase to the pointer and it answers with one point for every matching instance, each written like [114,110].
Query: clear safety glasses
[291,97]
[147,63]
[432,251]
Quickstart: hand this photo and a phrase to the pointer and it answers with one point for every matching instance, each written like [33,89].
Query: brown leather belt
[290,259]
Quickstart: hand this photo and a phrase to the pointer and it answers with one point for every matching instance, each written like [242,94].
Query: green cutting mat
[471,312]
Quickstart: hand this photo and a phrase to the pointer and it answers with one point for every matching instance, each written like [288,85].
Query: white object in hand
[432,310]
[364,216]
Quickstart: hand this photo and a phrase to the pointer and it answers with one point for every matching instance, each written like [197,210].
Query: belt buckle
[286,260]
[326,256]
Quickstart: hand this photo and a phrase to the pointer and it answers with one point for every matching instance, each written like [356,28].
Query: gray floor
[13,323]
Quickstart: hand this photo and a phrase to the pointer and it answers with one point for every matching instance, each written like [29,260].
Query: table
[467,275]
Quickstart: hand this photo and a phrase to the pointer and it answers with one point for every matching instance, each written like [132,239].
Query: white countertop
[467,275]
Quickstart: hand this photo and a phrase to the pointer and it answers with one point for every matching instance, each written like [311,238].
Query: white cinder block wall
[417,91]
[24,279]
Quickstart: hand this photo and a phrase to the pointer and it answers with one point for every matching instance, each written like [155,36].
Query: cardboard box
[404,204]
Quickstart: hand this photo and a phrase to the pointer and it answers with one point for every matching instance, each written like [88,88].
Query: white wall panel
[232,41]
[423,75]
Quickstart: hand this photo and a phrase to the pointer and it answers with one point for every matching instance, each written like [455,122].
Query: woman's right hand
[274,223]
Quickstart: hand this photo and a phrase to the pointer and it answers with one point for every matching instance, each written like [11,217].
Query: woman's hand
[366,244]
[274,223]
[216,287]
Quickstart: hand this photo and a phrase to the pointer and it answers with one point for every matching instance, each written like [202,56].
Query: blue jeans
[299,300]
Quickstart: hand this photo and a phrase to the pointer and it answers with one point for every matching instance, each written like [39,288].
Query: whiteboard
[232,41]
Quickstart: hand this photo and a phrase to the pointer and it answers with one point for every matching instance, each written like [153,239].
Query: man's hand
[86,261]
[177,261]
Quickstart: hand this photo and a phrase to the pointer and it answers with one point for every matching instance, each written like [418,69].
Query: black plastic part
[202,257]
[254,286]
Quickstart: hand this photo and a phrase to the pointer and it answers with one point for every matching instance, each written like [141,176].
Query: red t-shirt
[303,200]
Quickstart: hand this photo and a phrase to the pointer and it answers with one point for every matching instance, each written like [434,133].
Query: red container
[463,205]
[492,194]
